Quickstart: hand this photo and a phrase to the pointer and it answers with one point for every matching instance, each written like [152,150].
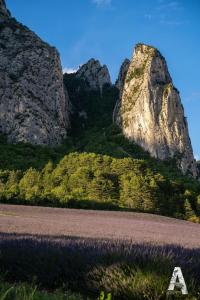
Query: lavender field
[137,227]
[130,269]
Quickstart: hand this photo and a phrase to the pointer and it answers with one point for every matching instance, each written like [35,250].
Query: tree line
[89,180]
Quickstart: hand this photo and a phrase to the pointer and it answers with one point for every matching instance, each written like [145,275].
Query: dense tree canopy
[89,179]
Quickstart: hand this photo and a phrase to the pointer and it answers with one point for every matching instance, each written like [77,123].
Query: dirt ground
[138,227]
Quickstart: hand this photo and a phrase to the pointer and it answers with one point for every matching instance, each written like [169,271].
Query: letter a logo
[178,281]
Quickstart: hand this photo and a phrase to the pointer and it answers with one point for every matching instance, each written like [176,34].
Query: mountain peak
[150,111]
[144,47]
[95,74]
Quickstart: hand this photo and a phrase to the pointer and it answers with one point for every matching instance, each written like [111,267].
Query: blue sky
[109,29]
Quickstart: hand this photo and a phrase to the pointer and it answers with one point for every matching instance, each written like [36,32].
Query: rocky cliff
[94,74]
[150,111]
[119,84]
[122,74]
[4,13]
[33,104]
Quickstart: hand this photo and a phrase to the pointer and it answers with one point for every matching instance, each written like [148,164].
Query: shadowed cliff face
[33,104]
[3,10]
[120,85]
[150,110]
[122,74]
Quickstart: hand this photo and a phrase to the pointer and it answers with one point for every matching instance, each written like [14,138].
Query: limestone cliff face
[150,111]
[94,74]
[33,104]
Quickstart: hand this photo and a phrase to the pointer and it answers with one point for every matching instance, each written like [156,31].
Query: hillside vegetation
[96,167]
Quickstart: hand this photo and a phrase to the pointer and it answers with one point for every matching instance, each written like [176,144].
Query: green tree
[136,193]
[103,187]
[79,183]
[47,180]
[198,204]
[30,185]
[189,212]
[12,185]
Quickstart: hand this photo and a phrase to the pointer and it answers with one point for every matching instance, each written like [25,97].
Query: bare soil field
[137,227]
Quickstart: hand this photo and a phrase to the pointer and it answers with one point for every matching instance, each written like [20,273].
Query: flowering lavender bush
[128,270]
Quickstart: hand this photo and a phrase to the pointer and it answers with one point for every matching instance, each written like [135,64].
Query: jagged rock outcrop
[150,111]
[120,84]
[94,74]
[33,104]
[122,74]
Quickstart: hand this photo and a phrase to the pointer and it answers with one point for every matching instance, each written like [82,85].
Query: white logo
[178,281]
